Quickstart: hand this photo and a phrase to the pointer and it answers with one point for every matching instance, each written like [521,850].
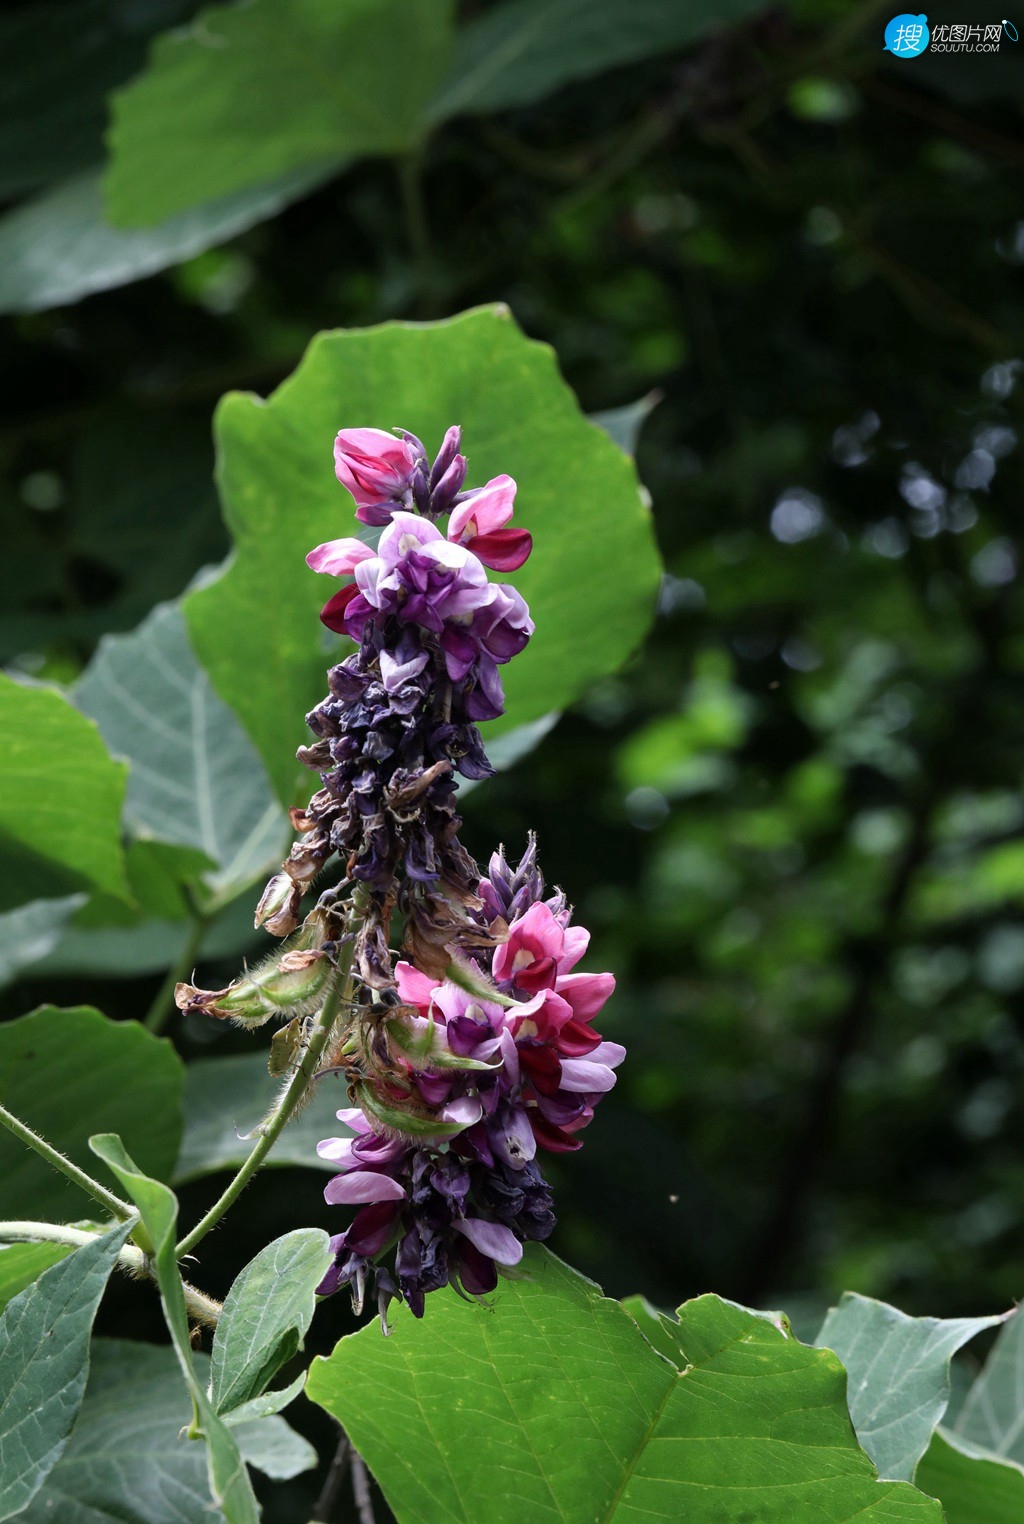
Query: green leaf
[195,779]
[44,1361]
[127,1461]
[272,86]
[33,930]
[623,424]
[557,1393]
[226,1098]
[229,1480]
[67,1073]
[21,1264]
[60,790]
[266,1314]
[992,1417]
[657,1327]
[267,1404]
[147,946]
[578,494]
[273,1447]
[59,247]
[518,52]
[972,1486]
[53,106]
[898,1370]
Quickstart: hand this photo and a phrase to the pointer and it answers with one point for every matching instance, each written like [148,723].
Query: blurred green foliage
[795,820]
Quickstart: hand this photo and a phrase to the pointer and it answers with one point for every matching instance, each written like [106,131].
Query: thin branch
[361,1489]
[113,1204]
[331,1489]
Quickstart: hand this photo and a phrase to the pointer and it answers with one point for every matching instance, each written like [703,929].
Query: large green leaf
[266,1314]
[44,1361]
[127,1461]
[590,582]
[60,59]
[898,1369]
[272,86]
[195,777]
[60,789]
[225,1100]
[145,946]
[67,1073]
[992,1417]
[59,247]
[32,931]
[229,1480]
[972,1486]
[550,1404]
[522,50]
[21,1264]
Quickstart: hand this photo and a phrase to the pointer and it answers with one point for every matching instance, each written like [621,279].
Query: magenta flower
[478,523]
[378,470]
[539,949]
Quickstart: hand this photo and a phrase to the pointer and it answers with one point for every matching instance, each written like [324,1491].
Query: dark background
[794,822]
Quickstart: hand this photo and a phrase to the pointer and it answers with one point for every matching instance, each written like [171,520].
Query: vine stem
[113,1204]
[202,1308]
[163,1001]
[282,1112]
[361,1489]
[331,1489]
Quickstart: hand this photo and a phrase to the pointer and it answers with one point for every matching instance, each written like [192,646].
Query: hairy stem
[201,1308]
[163,1002]
[282,1112]
[113,1204]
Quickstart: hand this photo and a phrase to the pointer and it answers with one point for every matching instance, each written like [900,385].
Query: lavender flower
[474,1051]
[539,1070]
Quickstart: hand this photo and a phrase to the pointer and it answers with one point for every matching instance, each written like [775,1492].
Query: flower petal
[339,558]
[586,993]
[333,612]
[337,1150]
[493,1239]
[582,1076]
[413,987]
[463,1111]
[504,549]
[484,510]
[362,1186]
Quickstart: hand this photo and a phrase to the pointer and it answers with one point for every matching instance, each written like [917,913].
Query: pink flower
[539,950]
[415,988]
[378,470]
[478,523]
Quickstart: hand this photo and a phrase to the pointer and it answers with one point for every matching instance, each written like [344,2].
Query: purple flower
[421,580]
[475,1051]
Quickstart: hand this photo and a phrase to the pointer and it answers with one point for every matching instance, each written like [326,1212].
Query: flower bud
[278,909]
[292,983]
[422,1043]
[414,1122]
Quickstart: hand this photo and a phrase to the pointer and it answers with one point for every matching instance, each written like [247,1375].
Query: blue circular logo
[906,36]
